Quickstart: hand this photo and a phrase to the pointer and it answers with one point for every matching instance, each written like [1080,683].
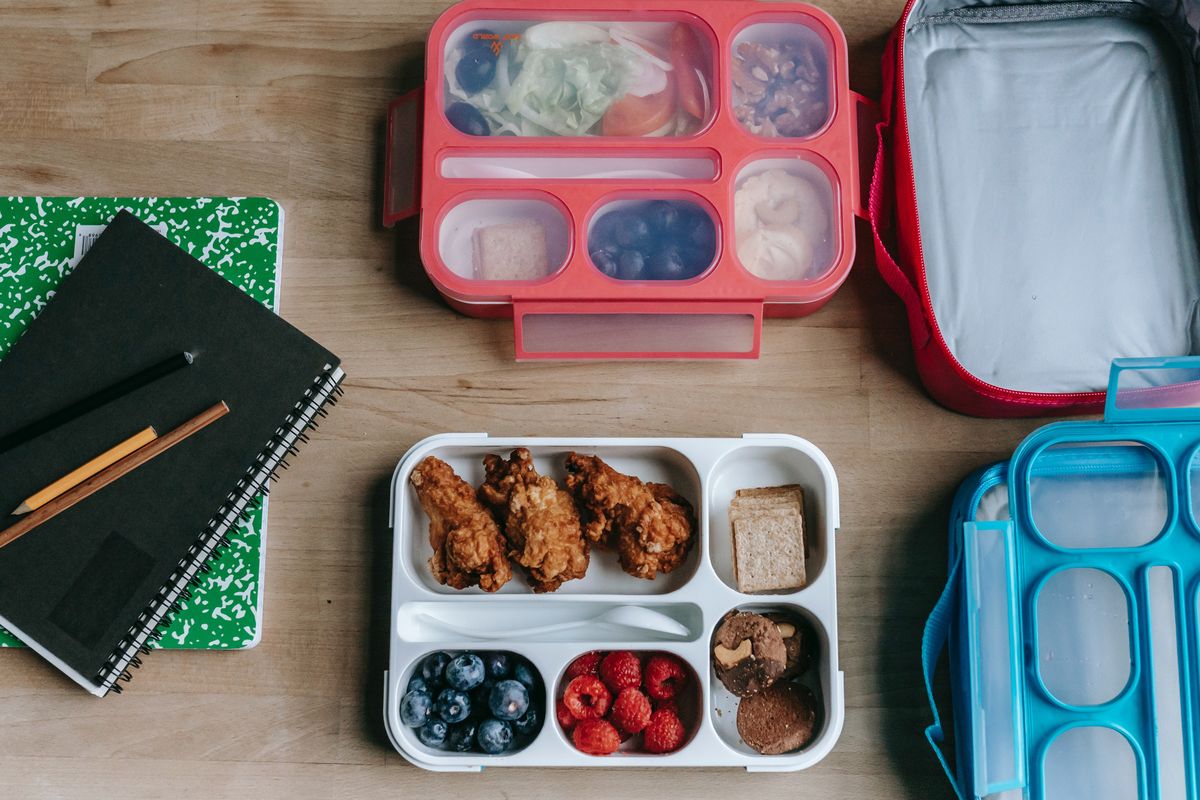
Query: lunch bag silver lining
[1054,162]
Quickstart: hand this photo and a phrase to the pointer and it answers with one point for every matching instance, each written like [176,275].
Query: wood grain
[286,98]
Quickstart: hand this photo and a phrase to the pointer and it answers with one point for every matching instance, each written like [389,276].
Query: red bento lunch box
[547,194]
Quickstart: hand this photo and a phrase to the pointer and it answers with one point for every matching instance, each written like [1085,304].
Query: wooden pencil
[112,473]
[81,474]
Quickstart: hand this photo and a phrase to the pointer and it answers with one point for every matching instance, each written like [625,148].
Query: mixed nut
[780,90]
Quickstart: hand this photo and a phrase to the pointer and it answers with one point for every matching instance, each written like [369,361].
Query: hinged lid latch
[1153,390]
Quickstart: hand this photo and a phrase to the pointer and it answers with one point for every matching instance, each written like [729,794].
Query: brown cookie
[748,653]
[799,640]
[779,719]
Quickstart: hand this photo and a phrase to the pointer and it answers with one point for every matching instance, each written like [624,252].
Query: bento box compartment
[618,77]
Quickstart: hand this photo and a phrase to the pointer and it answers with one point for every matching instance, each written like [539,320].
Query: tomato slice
[687,63]
[638,116]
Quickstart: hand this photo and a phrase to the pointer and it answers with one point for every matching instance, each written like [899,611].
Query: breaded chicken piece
[650,526]
[468,549]
[538,518]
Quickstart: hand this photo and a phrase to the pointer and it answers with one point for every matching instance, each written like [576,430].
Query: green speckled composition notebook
[41,241]
[90,586]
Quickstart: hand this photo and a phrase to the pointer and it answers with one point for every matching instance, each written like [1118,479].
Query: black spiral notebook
[88,588]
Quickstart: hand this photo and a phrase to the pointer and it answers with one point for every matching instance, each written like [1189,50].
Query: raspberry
[667,704]
[621,670]
[596,737]
[586,664]
[565,718]
[587,698]
[665,676]
[630,711]
[664,734]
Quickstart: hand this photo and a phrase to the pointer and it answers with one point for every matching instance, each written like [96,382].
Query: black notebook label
[102,589]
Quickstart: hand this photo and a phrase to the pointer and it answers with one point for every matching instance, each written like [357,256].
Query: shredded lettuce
[562,91]
[567,90]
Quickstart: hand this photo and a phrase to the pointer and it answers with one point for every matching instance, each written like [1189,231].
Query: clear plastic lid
[781,81]
[512,239]
[545,77]
[784,217]
[668,239]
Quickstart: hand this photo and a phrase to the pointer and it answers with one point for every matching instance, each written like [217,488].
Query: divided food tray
[566,183]
[697,595]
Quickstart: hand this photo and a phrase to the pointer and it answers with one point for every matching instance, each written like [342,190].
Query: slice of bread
[510,251]
[789,490]
[768,539]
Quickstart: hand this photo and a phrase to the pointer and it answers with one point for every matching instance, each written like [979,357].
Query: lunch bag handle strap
[933,643]
[879,212]
[888,267]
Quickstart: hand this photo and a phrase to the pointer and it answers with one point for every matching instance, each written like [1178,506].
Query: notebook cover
[78,584]
[240,238]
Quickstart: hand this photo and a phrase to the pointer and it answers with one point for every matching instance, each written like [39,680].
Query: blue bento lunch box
[1070,613]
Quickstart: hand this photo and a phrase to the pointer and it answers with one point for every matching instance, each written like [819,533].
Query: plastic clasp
[867,115]
[1154,390]
[402,158]
[618,330]
[994,657]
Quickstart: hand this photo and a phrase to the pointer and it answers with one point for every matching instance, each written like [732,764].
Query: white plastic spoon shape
[501,171]
[636,617]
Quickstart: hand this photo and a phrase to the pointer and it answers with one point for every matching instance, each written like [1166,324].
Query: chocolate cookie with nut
[748,653]
[781,719]
[799,640]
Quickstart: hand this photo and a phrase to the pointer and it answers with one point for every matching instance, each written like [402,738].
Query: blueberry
[417,684]
[433,669]
[494,736]
[525,674]
[509,700]
[465,671]
[603,234]
[432,733]
[453,705]
[667,265]
[498,665]
[467,118]
[475,70]
[605,261]
[701,232]
[461,737]
[663,216]
[633,230]
[631,265]
[481,41]
[480,696]
[415,708]
[695,259]
[528,724]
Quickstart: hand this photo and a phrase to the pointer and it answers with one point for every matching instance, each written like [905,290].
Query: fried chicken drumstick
[468,549]
[538,518]
[650,526]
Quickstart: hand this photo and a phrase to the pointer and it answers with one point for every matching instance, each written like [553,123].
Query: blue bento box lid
[1070,612]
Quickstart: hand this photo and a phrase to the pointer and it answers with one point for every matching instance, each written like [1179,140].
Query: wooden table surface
[285,98]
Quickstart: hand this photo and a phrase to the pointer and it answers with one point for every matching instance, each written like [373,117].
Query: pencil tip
[22,509]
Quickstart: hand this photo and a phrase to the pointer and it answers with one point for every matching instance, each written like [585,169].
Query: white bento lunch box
[697,595]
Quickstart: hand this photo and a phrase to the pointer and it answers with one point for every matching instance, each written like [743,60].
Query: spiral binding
[324,391]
